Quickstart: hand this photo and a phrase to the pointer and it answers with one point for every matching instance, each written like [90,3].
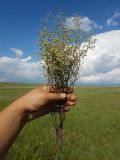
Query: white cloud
[112,21]
[19,70]
[26,59]
[84,23]
[103,64]
[18,52]
[100,66]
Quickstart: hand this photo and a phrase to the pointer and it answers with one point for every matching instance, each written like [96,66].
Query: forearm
[12,120]
[34,104]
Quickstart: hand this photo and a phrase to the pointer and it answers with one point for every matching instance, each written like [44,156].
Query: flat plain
[91,129]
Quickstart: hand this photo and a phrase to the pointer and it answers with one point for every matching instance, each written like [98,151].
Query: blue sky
[20,21]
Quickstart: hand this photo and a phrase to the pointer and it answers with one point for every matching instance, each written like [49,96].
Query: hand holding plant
[39,101]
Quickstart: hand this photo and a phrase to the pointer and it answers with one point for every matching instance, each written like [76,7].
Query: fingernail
[63,95]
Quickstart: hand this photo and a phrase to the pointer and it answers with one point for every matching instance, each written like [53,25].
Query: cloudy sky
[19,25]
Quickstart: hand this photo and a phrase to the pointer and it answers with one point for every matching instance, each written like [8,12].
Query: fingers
[70,100]
[56,96]
[70,103]
[71,97]
[53,96]
[61,96]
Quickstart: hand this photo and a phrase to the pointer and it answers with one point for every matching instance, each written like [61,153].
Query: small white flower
[42,63]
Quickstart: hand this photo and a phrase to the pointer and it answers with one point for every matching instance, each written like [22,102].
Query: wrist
[20,111]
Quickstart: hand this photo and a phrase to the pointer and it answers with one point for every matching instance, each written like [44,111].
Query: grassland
[91,131]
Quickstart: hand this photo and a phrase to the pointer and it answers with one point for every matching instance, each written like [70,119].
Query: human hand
[39,101]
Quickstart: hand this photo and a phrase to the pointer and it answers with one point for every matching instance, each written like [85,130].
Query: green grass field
[91,130]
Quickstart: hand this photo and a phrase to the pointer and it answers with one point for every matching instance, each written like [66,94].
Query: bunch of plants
[62,49]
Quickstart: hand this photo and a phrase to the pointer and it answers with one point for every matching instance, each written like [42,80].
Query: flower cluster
[62,50]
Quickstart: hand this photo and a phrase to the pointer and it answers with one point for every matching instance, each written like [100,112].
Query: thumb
[56,96]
